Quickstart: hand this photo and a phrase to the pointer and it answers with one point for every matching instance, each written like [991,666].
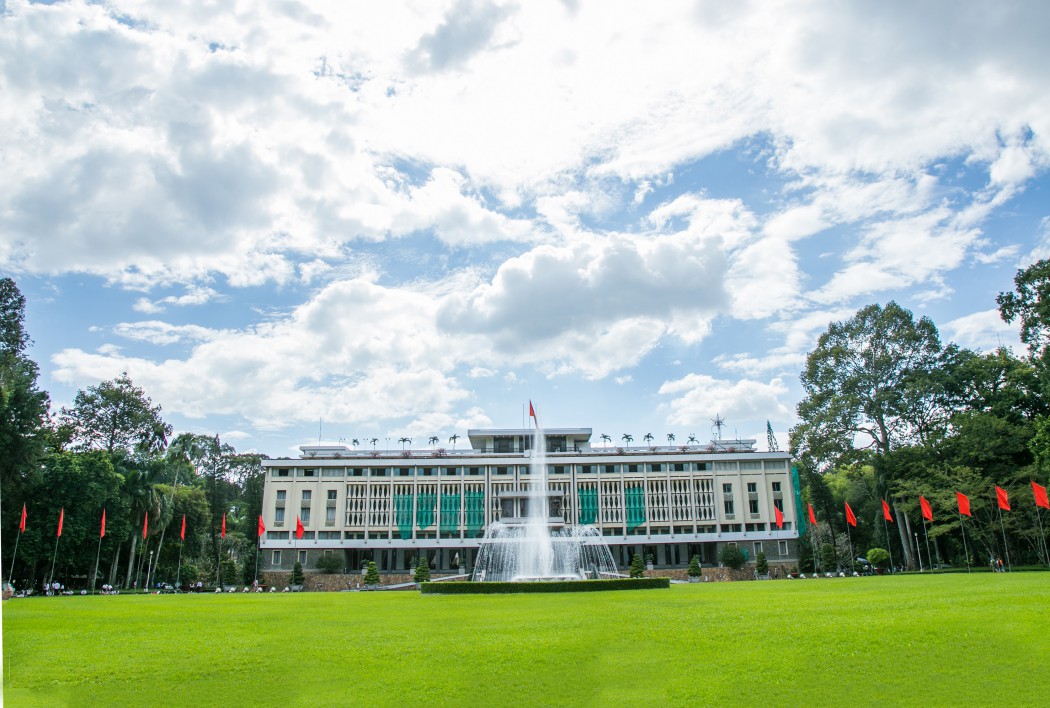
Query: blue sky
[294,220]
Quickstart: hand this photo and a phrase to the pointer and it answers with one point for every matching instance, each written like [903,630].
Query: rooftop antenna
[719,424]
[771,439]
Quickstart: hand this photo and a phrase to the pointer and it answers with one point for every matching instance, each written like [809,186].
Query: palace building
[668,502]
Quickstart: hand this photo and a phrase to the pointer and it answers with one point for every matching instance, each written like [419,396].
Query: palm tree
[627,438]
[433,440]
[453,440]
[692,439]
[670,438]
[403,441]
[139,489]
[374,441]
[355,442]
[648,437]
[606,439]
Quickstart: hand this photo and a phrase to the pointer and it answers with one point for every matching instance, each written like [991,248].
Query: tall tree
[116,415]
[873,383]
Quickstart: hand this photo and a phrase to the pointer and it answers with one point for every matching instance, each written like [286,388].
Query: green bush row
[468,588]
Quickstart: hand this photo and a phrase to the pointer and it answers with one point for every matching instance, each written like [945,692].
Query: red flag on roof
[145,524]
[299,530]
[1037,489]
[850,518]
[1002,498]
[223,526]
[964,503]
[886,512]
[102,532]
[779,515]
[812,518]
[262,527]
[182,533]
[927,512]
[61,518]
[22,523]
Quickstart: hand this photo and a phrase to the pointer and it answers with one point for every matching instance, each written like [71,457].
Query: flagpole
[178,572]
[850,539]
[918,548]
[929,557]
[18,538]
[1038,517]
[53,558]
[889,545]
[1005,547]
[966,552]
[98,555]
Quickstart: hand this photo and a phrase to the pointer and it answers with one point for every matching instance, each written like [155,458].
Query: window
[337,472]
[307,495]
[727,489]
[329,516]
[302,557]
[281,495]
[276,560]
[752,506]
[587,469]
[304,515]
[779,503]
[278,515]
[776,486]
[728,505]
[331,494]
[757,548]
[782,547]
[451,471]
[752,487]
[282,472]
[277,535]
[379,472]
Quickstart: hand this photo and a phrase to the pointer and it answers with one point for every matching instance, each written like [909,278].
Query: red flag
[182,533]
[61,518]
[886,512]
[964,504]
[145,525]
[102,533]
[22,524]
[812,518]
[850,518]
[927,512]
[1002,497]
[223,526]
[1037,489]
[779,515]
[299,530]
[532,411]
[262,527]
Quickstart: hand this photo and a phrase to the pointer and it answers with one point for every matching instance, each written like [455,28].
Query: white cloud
[697,398]
[983,330]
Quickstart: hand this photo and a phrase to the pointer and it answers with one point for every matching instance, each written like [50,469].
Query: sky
[293,222]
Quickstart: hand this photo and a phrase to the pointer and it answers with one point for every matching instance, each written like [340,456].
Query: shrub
[731,557]
[828,558]
[761,564]
[330,563]
[469,588]
[422,574]
[637,566]
[694,568]
[297,574]
[878,557]
[372,574]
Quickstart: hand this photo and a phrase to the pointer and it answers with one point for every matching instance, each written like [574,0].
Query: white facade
[391,506]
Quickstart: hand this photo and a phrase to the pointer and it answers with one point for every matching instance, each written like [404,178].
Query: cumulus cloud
[696,399]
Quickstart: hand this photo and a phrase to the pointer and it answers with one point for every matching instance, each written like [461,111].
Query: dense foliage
[110,453]
[637,569]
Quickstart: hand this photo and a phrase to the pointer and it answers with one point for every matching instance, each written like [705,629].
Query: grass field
[929,640]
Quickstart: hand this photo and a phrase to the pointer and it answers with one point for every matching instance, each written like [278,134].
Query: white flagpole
[18,538]
[926,533]
[53,558]
[1006,549]
[966,552]
[98,555]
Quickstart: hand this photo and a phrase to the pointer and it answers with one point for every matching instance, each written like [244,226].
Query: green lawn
[929,640]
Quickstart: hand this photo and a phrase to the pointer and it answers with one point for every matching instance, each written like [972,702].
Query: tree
[297,574]
[371,575]
[422,574]
[648,437]
[731,557]
[637,569]
[1030,305]
[627,438]
[874,382]
[670,438]
[432,440]
[694,570]
[453,440]
[878,557]
[761,564]
[330,563]
[116,415]
[691,439]
[405,441]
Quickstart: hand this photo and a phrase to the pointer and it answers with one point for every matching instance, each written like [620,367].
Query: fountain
[531,541]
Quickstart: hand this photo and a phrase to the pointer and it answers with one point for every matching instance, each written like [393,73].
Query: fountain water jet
[532,542]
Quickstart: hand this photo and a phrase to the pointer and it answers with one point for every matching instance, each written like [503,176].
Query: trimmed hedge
[469,588]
